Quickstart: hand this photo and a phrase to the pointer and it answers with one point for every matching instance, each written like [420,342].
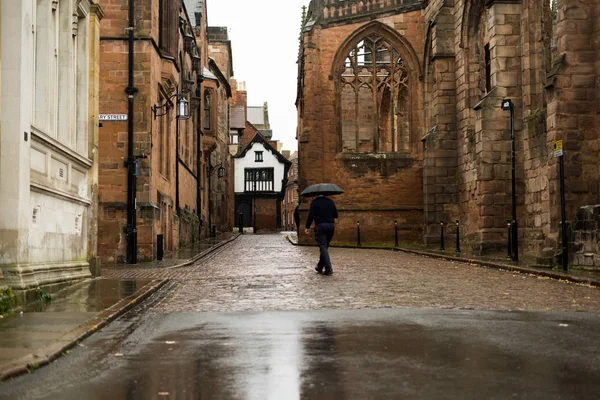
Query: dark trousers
[323,235]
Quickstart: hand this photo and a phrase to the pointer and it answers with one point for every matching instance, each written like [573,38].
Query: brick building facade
[219,164]
[170,59]
[399,104]
[261,173]
[291,198]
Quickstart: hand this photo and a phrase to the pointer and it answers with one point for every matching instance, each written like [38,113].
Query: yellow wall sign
[558,148]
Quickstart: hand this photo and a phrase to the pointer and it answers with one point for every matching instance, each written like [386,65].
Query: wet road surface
[254,321]
[350,354]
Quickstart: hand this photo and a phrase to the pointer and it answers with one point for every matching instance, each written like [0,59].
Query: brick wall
[266,214]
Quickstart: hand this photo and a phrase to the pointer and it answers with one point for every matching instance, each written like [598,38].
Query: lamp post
[508,105]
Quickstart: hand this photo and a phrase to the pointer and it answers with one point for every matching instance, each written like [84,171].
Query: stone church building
[399,103]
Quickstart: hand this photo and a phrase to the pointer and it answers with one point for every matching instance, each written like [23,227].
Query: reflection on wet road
[352,354]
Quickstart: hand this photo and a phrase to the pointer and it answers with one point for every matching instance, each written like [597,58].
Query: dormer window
[258,156]
[234,137]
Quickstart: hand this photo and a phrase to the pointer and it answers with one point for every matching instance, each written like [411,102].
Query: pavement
[525,265]
[37,334]
[281,282]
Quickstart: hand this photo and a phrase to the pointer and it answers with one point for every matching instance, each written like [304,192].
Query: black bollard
[442,236]
[160,244]
[396,233]
[241,222]
[457,237]
[357,234]
[214,231]
[509,241]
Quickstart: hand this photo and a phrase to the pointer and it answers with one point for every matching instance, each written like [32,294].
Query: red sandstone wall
[378,188]
[153,216]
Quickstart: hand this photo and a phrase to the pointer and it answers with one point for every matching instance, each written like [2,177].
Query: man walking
[323,212]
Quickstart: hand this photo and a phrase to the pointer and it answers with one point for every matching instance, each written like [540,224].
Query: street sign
[112,117]
[558,148]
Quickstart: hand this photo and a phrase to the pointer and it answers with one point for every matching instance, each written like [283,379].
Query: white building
[48,140]
[260,181]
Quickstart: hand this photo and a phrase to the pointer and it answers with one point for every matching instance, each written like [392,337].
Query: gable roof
[258,138]
[219,75]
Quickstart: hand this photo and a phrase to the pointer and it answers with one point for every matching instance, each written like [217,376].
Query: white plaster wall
[15,124]
[269,160]
[58,229]
[30,159]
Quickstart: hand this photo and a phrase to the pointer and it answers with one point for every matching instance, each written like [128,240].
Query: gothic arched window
[374,98]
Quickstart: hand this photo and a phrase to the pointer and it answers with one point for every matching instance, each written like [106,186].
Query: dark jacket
[322,209]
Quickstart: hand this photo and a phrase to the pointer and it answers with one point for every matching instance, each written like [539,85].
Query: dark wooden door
[243,206]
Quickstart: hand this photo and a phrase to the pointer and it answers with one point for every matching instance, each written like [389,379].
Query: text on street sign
[112,117]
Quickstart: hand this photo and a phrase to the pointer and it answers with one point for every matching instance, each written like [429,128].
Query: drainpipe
[131,162]
[177,208]
[199,80]
[210,201]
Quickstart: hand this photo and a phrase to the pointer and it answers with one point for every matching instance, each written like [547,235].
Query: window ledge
[483,100]
[369,156]
[385,164]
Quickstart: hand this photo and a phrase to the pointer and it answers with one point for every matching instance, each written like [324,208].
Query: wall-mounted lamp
[507,105]
[220,171]
[183,106]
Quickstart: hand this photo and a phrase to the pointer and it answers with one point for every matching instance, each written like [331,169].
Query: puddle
[89,296]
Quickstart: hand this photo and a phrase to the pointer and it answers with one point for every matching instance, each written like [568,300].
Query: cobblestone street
[266,272]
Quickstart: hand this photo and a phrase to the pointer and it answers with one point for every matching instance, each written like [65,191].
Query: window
[46,67]
[162,138]
[207,110]
[553,37]
[234,137]
[488,68]
[258,180]
[373,98]
[258,156]
[60,102]
[168,17]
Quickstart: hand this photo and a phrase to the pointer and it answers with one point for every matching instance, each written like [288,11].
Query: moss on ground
[7,301]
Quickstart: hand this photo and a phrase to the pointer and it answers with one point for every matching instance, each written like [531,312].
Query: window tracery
[374,98]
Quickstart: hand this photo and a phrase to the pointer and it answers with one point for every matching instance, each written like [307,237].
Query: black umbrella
[325,189]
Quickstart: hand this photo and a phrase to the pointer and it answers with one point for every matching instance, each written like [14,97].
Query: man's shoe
[319,269]
[329,272]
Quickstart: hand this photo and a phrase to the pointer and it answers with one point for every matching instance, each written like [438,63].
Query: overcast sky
[264,40]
